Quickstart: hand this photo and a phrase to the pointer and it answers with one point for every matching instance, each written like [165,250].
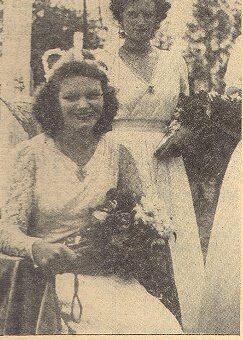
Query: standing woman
[148,83]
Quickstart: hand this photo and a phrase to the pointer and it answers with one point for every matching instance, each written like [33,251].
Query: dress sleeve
[184,84]
[133,171]
[129,178]
[121,165]
[137,176]
[19,201]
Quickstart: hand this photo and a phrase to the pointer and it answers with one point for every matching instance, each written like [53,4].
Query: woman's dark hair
[47,110]
[117,8]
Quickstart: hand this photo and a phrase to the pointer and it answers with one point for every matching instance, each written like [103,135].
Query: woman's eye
[93,96]
[132,15]
[71,97]
[148,15]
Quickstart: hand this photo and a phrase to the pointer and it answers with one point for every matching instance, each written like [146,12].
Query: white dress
[221,300]
[47,199]
[144,112]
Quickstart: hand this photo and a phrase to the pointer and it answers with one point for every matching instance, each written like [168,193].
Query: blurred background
[203,30]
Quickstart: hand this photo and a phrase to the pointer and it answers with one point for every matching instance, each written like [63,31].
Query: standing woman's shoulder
[176,59]
[181,68]
[174,62]
[173,59]
[105,56]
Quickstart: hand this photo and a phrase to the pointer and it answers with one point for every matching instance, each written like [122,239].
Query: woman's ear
[122,33]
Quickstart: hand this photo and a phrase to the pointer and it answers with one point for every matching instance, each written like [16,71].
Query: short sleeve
[129,179]
[122,164]
[19,201]
[110,61]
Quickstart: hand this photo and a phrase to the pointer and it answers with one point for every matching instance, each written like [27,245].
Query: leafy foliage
[215,26]
[53,27]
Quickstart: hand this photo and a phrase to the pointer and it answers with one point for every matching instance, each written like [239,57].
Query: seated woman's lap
[111,305]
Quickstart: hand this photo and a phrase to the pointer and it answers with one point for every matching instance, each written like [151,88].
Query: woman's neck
[73,142]
[79,146]
[139,48]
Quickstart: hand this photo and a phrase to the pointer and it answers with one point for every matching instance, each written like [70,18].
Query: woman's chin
[82,121]
[82,124]
[141,38]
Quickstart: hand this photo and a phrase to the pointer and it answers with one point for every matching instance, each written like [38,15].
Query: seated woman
[56,178]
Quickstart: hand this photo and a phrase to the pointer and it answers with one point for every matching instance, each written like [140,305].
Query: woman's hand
[55,257]
[185,141]
[174,145]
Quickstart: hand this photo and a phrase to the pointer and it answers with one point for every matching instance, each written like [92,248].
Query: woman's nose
[83,103]
[140,20]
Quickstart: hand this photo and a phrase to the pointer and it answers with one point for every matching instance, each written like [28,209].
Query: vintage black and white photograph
[120,167]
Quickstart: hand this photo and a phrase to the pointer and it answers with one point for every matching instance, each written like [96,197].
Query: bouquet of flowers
[199,121]
[124,232]
[226,113]
[127,237]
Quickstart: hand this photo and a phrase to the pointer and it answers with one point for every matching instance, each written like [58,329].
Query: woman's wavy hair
[117,8]
[47,110]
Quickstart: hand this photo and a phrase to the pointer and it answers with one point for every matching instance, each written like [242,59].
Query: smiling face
[139,20]
[81,102]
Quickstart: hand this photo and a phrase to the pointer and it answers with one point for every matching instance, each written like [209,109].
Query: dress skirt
[167,181]
[113,306]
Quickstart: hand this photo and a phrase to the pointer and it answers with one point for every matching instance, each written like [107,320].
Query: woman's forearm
[14,242]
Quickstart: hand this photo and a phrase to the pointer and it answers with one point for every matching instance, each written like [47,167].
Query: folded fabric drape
[28,303]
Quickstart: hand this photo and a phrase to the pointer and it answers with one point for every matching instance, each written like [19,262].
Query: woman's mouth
[84,115]
[141,30]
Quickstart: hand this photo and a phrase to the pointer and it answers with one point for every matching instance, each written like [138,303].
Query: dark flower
[118,243]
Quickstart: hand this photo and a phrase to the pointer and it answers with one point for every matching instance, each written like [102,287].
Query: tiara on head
[71,55]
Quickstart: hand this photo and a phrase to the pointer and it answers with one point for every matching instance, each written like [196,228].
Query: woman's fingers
[63,259]
[68,254]
[51,255]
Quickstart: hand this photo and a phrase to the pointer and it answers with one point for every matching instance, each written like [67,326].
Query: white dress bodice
[46,198]
[136,102]
[63,200]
